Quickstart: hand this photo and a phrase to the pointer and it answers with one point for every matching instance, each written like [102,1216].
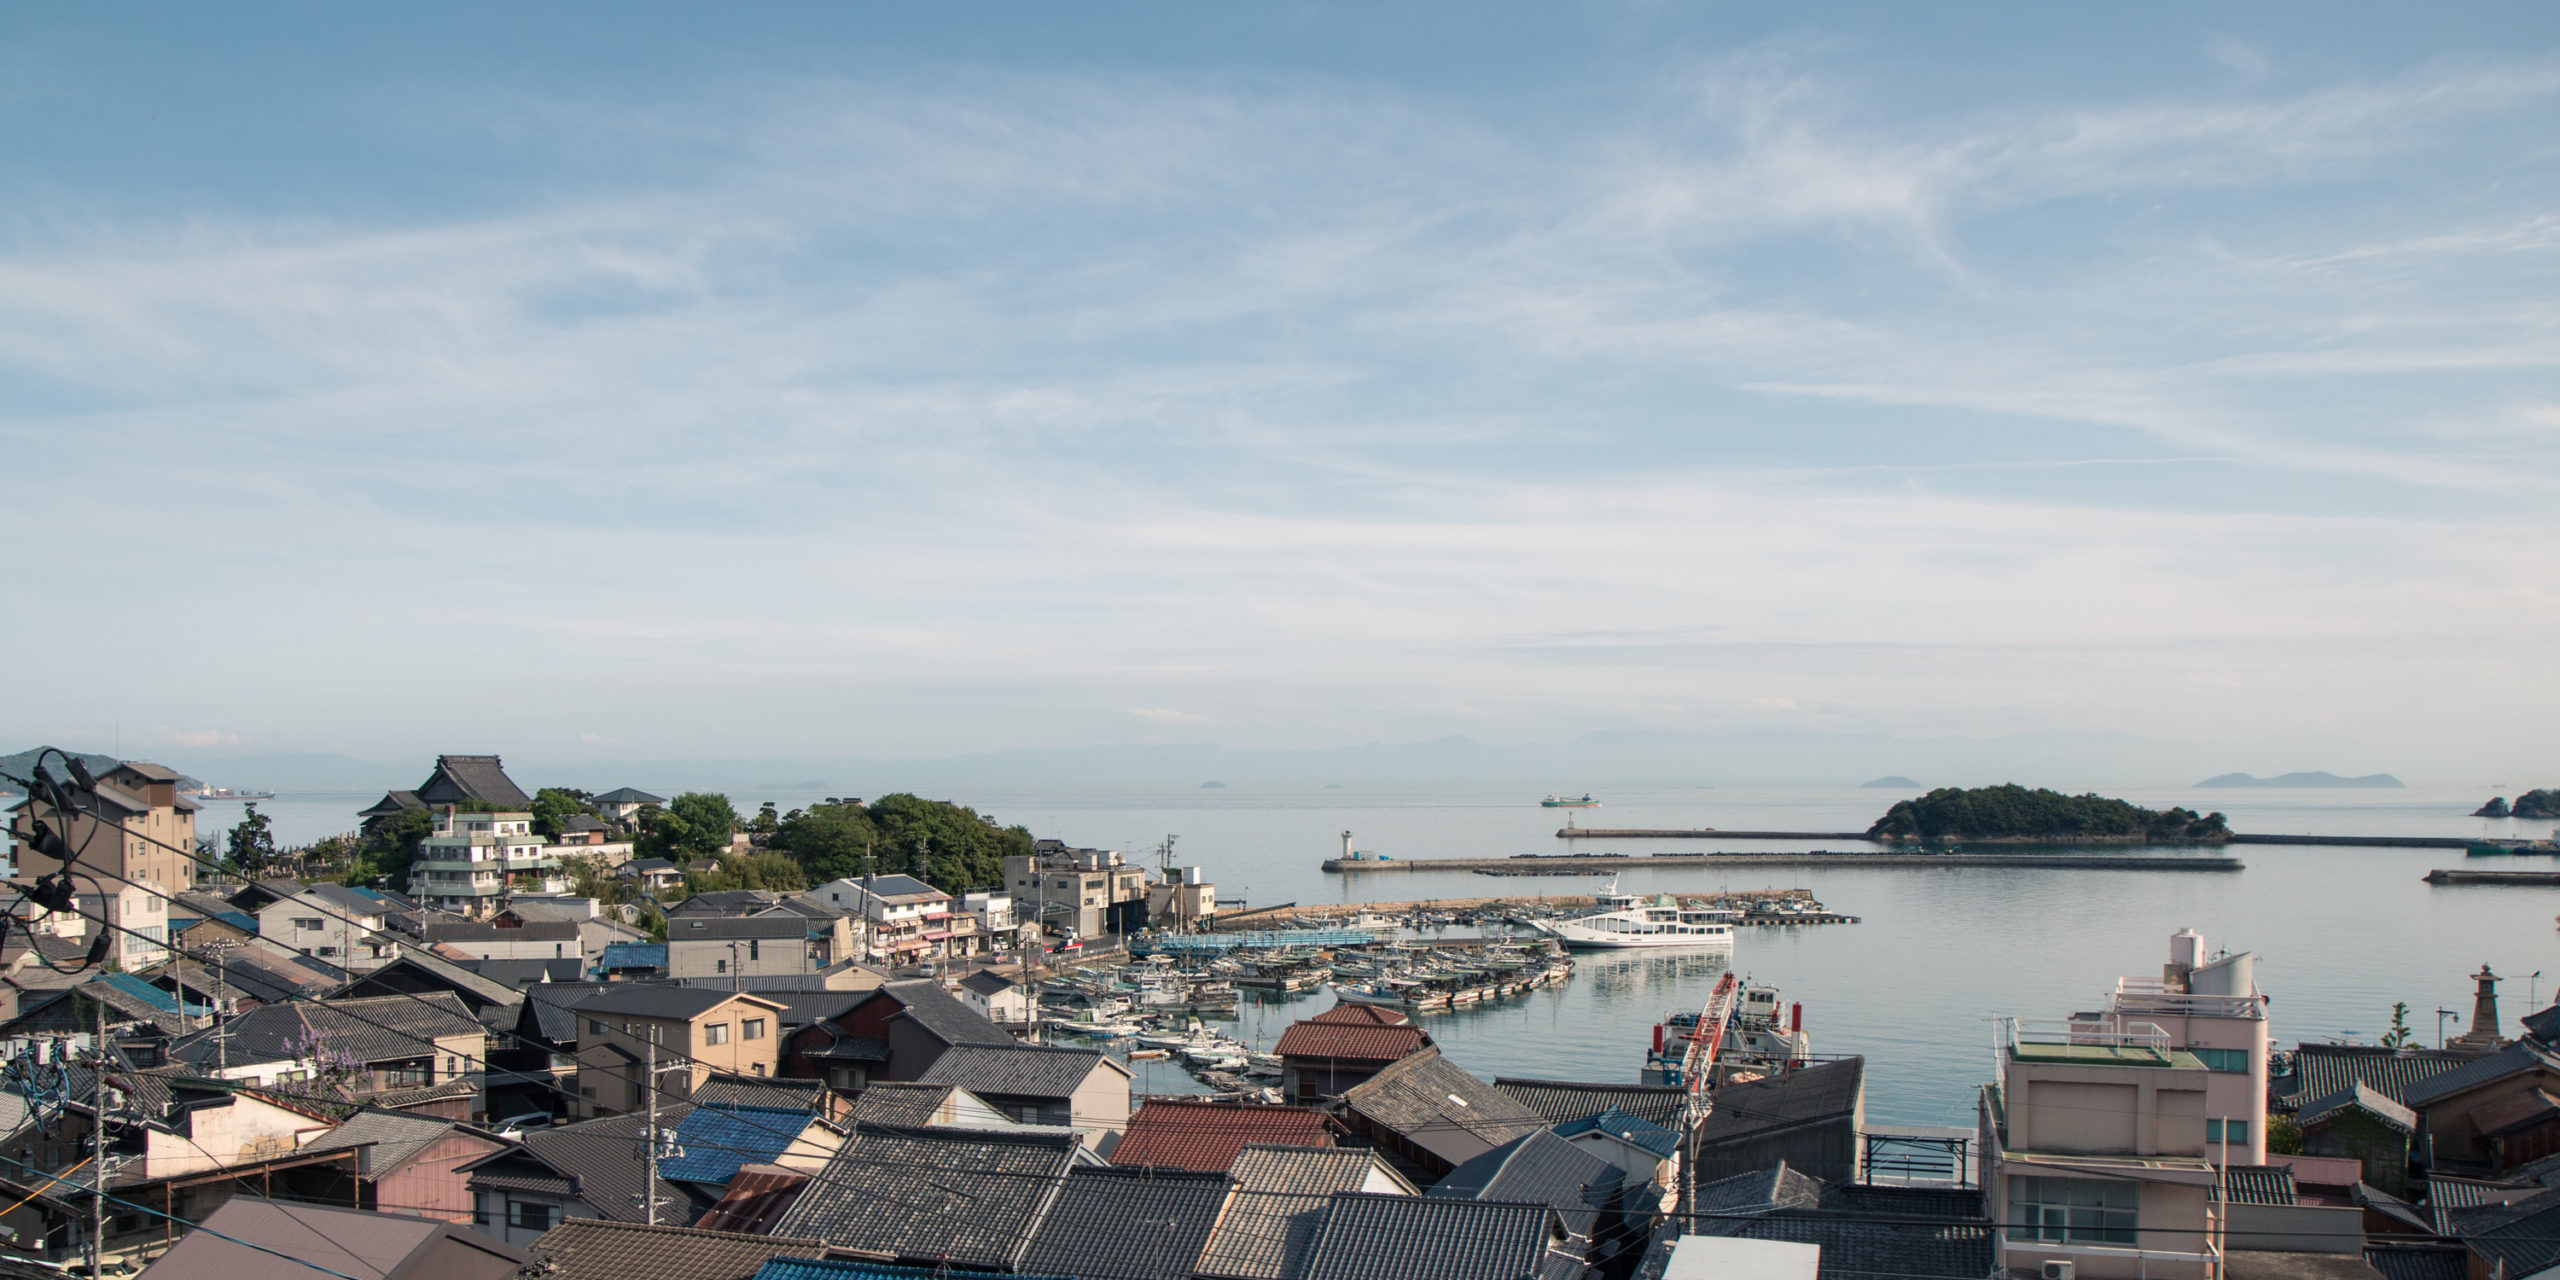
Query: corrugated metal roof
[1350,1041]
[1205,1135]
[593,1249]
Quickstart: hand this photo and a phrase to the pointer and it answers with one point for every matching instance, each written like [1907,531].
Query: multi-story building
[133,826]
[696,1030]
[1185,901]
[2103,1136]
[2211,1007]
[1082,891]
[475,859]
[333,923]
[903,919]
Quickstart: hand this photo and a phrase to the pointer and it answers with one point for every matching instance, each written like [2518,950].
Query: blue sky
[645,380]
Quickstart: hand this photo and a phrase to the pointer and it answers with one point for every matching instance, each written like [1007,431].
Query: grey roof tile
[723,1089]
[972,1197]
[2521,1056]
[1434,1104]
[657,1001]
[395,1136]
[1128,1224]
[593,1249]
[900,1106]
[1562,1100]
[373,1028]
[1374,1237]
[929,1006]
[599,1156]
[480,778]
[1283,1195]
[1017,1070]
[2319,1070]
[1540,1169]
[1736,1200]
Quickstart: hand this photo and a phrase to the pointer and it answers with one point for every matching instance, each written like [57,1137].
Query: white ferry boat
[1632,920]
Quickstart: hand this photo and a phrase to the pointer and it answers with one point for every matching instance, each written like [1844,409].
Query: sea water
[2340,933]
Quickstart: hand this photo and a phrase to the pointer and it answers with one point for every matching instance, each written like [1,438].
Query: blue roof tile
[716,1140]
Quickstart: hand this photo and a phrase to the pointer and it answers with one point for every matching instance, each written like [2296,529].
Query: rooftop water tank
[2235,975]
[1195,875]
[2186,948]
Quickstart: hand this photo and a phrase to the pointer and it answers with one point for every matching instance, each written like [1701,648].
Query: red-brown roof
[756,1199]
[1205,1135]
[1350,1041]
[1360,1015]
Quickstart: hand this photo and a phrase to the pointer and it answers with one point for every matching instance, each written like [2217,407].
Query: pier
[1585,863]
[1711,833]
[2447,875]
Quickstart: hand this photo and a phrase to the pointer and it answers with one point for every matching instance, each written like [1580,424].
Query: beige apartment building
[129,832]
[694,1031]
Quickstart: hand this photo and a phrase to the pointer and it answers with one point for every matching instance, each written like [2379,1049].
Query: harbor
[1589,863]
[2237,837]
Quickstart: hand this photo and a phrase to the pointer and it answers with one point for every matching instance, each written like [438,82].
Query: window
[328,951]
[2215,1130]
[2223,1059]
[2072,1210]
[453,1066]
[751,1028]
[529,1217]
[309,924]
[755,950]
[716,1033]
[756,1067]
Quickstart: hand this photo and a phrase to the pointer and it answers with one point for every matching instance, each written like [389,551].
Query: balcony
[2093,1042]
[2152,996]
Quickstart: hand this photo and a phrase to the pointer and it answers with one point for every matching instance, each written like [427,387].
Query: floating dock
[1586,863]
[2447,875]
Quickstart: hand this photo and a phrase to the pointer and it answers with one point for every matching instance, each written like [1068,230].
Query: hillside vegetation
[2014,813]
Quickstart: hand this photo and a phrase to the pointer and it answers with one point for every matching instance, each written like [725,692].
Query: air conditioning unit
[2061,1271]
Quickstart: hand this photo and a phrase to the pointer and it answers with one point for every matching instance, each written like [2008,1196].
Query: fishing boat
[1365,993]
[1568,802]
[1743,1031]
[1631,920]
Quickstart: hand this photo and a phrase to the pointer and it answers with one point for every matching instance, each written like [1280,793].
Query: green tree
[554,806]
[697,824]
[2284,1137]
[831,841]
[951,847]
[252,845]
[389,849]
[2398,1036]
[774,871]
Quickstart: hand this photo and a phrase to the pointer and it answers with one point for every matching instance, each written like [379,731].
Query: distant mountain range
[2300,780]
[1892,780]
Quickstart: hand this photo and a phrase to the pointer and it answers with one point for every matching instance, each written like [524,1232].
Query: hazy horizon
[594,384]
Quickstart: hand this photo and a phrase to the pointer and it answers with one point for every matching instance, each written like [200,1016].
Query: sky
[639,381]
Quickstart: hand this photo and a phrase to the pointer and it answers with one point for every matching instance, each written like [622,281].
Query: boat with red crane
[1738,1035]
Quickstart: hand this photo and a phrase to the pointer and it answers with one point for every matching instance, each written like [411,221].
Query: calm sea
[2340,933]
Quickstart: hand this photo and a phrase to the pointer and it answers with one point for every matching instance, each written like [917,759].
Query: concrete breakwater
[2549,879]
[1691,861]
[1711,833]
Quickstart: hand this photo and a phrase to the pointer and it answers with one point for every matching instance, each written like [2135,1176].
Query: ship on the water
[1568,802]
[2508,848]
[1633,920]
[1739,1036]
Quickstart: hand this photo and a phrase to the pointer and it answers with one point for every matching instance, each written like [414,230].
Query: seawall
[1696,861]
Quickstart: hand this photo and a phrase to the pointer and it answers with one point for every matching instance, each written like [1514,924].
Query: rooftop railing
[2150,995]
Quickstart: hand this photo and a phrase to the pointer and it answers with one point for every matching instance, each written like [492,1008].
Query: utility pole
[221,996]
[654,1136]
[98,1146]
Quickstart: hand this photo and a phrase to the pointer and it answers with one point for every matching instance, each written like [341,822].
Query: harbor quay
[1585,864]
[2236,837]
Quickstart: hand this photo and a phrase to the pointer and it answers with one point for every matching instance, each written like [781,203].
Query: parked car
[515,1125]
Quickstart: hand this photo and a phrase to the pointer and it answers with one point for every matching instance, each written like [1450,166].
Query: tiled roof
[374,1028]
[725,902]
[1350,1041]
[1651,1137]
[901,887]
[968,1196]
[1734,1202]
[2418,1260]
[1282,1195]
[2259,1184]
[847,1269]
[447,929]
[894,1106]
[476,988]
[395,1136]
[1128,1224]
[1430,1102]
[593,1249]
[1362,1015]
[737,929]
[2516,1058]
[2320,1070]
[554,1007]
[988,982]
[629,795]
[245,1235]
[1539,1169]
[726,1089]
[1903,1202]
[480,778]
[1017,1070]
[1862,1249]
[756,1198]
[2521,1239]
[656,1001]
[1821,1091]
[925,1003]
[2362,1097]
[515,975]
[599,1155]
[1374,1237]
[1205,1135]
[1562,1100]
[716,1140]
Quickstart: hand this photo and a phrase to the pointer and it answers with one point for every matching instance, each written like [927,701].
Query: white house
[999,998]
[332,923]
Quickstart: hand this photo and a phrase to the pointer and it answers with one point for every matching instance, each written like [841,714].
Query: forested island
[2541,802]
[2013,814]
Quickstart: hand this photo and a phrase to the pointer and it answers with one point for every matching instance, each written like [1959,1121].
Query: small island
[1213,786]
[2012,814]
[2541,802]
[1892,780]
[2314,779]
